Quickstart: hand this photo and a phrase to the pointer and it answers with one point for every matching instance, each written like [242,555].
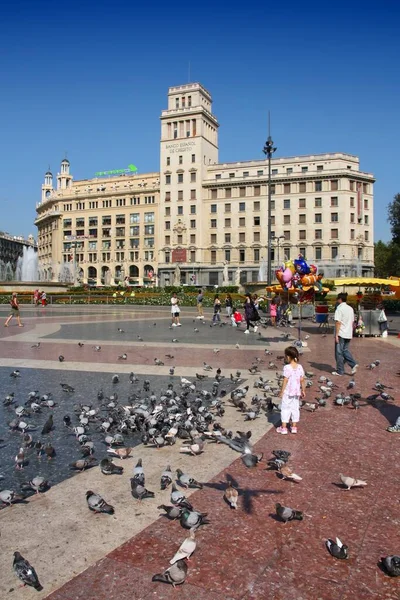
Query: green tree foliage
[394,218]
[387,259]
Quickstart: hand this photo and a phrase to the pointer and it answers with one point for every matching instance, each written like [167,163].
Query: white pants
[290,408]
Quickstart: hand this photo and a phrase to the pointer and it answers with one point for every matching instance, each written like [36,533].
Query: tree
[382,259]
[394,218]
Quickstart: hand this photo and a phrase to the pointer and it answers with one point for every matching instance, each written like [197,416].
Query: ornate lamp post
[268,150]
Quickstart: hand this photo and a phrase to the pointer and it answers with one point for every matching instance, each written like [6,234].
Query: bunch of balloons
[297,274]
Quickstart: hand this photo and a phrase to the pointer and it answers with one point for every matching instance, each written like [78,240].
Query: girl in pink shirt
[292,390]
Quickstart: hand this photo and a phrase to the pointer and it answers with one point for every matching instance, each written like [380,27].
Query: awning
[365,281]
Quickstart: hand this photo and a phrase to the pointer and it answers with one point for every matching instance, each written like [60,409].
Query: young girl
[14,311]
[272,311]
[293,389]
[217,310]
[175,310]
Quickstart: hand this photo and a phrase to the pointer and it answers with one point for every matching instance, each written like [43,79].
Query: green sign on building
[131,169]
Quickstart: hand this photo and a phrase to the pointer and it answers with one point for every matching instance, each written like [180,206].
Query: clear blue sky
[91,79]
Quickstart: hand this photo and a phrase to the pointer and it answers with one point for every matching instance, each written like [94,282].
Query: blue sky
[91,79]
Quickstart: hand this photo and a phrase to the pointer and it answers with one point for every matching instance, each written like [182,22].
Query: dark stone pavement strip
[247,554]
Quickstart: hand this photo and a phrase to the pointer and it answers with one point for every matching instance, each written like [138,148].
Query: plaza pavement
[243,554]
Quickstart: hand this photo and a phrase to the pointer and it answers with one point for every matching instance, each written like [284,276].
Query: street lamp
[268,150]
[278,241]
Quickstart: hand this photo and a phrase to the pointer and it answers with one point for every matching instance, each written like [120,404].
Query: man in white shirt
[344,321]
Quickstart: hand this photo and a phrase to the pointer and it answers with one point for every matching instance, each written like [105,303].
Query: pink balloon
[287,275]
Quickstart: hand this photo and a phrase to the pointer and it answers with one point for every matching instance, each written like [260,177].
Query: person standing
[200,304]
[251,314]
[43,299]
[344,323]
[293,389]
[14,311]
[228,306]
[217,310]
[175,310]
[272,311]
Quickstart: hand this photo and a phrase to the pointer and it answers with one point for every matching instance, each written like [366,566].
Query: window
[242,255]
[193,177]
[193,158]
[334,217]
[179,239]
[302,235]
[334,234]
[365,188]
[167,179]
[213,208]
[180,194]
[193,224]
[257,190]
[242,192]
[286,188]
[318,253]
[213,223]
[167,196]
[302,219]
[134,230]
[228,255]
[213,257]
[366,236]
[302,251]
[193,256]
[359,253]
[180,210]
[334,201]
[180,159]
[272,189]
[168,161]
[351,202]
[260,172]
[318,186]
[286,235]
[167,211]
[352,234]
[242,237]
[352,186]
[366,220]
[352,218]
[302,187]
[227,208]
[214,194]
[149,217]
[133,218]
[366,203]
[213,238]
[227,223]
[334,252]
[286,253]
[246,173]
[320,168]
[286,203]
[242,221]
[242,206]
[256,205]
[286,219]
[302,202]
[334,185]
[218,175]
[318,202]
[227,238]
[304,169]
[318,234]
[167,224]
[256,255]
[272,204]
[256,236]
[256,221]
[167,240]
[134,243]
[231,175]
[228,192]
[289,171]
[274,172]
[193,194]
[180,177]
[193,209]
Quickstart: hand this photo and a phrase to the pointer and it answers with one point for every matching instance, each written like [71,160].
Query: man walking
[344,321]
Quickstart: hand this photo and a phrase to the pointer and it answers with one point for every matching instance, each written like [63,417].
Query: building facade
[208,217]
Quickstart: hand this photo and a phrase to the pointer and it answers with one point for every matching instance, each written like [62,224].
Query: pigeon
[48,426]
[67,421]
[67,388]
[83,463]
[251,460]
[38,484]
[107,467]
[158,362]
[187,481]
[350,482]
[97,348]
[81,344]
[119,452]
[192,519]
[25,572]
[120,330]
[171,356]
[166,478]
[15,374]
[9,496]
[288,514]
[194,449]
[337,549]
[97,504]
[207,367]
[178,498]
[171,512]
[36,345]
[172,370]
[20,459]
[287,473]
[186,549]
[115,379]
[123,356]
[61,358]
[139,337]
[231,496]
[391,565]
[138,490]
[175,575]
[138,472]
[49,451]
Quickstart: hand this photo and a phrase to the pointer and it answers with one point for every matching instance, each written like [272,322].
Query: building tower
[189,144]
[64,179]
[47,186]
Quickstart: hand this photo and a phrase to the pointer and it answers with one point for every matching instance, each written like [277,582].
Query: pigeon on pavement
[166,478]
[107,467]
[175,575]
[25,572]
[138,490]
[97,504]
[350,482]
[288,514]
[187,481]
[391,565]
[231,496]
[337,549]
[186,549]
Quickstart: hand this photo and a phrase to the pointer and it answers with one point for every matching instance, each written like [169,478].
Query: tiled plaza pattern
[248,554]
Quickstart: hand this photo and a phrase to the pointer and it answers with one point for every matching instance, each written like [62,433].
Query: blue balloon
[301,266]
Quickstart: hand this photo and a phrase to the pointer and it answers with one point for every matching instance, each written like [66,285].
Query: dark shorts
[176,314]
[14,312]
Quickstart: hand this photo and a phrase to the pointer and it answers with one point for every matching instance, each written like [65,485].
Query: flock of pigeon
[188,413]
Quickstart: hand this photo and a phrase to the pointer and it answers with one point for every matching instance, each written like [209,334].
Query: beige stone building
[207,217]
